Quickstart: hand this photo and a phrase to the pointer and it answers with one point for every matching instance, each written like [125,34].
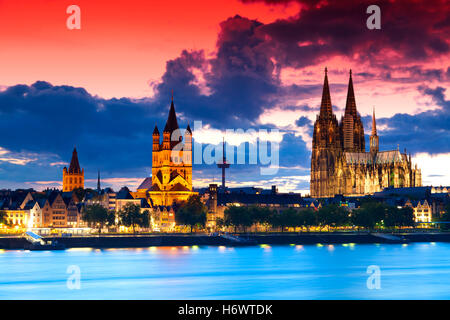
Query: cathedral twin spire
[351,131]
[350,106]
[325,106]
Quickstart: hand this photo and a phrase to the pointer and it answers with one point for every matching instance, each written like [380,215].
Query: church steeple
[350,106]
[325,106]
[73,178]
[374,123]
[172,123]
[74,164]
[352,129]
[98,182]
[374,141]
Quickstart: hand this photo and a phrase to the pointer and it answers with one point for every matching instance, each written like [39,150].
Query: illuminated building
[422,210]
[74,177]
[171,179]
[339,162]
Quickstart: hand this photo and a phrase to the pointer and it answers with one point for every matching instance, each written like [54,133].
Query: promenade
[135,241]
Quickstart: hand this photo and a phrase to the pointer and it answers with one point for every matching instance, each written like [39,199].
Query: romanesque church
[339,161]
[171,179]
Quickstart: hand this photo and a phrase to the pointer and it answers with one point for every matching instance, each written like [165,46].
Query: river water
[414,271]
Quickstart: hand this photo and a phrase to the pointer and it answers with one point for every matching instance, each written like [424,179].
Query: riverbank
[130,241]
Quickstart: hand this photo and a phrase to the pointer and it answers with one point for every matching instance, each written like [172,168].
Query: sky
[249,65]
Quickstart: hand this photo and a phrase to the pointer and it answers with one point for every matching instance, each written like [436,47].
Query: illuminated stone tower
[352,129]
[326,146]
[171,163]
[74,177]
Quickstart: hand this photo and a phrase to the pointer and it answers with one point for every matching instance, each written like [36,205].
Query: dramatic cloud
[260,76]
[411,30]
[424,132]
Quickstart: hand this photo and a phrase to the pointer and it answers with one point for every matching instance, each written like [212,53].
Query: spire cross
[172,95]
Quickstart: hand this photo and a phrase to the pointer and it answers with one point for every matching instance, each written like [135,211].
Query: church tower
[74,177]
[352,129]
[326,146]
[171,179]
[374,137]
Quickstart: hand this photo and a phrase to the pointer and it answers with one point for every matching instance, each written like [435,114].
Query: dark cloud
[303,121]
[233,88]
[427,131]
[240,78]
[110,134]
[413,30]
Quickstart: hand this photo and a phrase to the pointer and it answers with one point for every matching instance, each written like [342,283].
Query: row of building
[428,203]
[62,211]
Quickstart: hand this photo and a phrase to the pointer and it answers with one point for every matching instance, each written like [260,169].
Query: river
[414,271]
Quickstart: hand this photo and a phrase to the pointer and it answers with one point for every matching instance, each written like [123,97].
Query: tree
[191,213]
[3,217]
[237,216]
[370,214]
[220,223]
[146,219]
[80,193]
[97,216]
[332,216]
[283,219]
[260,215]
[307,218]
[398,217]
[445,218]
[290,218]
[407,217]
[130,216]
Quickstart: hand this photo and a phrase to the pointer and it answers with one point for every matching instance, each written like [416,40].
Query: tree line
[371,215]
[97,216]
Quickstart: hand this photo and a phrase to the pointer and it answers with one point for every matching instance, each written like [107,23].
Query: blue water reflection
[415,271]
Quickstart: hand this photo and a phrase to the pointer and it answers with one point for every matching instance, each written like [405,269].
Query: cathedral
[74,177]
[171,179]
[339,161]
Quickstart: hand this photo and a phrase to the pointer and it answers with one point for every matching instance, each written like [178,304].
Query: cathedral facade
[171,179]
[339,161]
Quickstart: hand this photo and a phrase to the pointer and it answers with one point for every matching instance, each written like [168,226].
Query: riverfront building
[74,177]
[171,179]
[339,161]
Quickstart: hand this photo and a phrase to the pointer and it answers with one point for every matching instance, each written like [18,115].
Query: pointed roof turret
[350,106]
[325,105]
[374,123]
[98,182]
[74,164]
[172,123]
[156,131]
[188,129]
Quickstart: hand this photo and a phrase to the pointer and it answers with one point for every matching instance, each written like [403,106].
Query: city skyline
[250,67]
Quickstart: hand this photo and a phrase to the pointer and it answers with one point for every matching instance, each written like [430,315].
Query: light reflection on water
[415,271]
